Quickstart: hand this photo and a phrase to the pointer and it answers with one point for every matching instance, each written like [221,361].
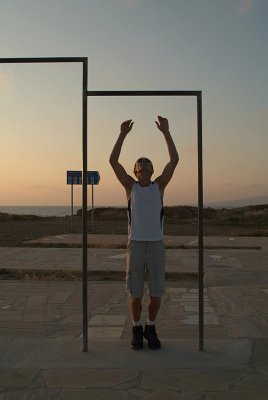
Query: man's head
[143,166]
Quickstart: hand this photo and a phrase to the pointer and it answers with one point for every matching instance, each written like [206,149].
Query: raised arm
[120,172]
[168,171]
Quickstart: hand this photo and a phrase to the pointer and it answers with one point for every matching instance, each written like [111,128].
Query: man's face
[142,164]
[143,168]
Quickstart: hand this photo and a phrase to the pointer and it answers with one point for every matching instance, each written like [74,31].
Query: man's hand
[162,125]
[126,127]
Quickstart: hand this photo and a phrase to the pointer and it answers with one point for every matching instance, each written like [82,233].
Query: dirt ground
[15,232]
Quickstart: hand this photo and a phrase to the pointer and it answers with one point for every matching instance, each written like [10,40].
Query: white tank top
[145,213]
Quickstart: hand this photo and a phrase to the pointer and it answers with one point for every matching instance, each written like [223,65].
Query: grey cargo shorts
[145,257]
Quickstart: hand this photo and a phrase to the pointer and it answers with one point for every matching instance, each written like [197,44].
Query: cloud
[245,6]
[6,78]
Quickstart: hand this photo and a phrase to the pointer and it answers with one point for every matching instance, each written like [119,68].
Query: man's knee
[137,301]
[155,299]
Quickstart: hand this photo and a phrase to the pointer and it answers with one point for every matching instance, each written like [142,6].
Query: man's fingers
[128,123]
[126,126]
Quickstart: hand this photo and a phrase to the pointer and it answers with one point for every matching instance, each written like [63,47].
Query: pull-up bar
[198,95]
[85,94]
[144,93]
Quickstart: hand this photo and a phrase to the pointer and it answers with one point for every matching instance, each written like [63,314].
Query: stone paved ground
[41,343]
[40,334]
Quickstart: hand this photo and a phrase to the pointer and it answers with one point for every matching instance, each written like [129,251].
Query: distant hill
[248,201]
[246,221]
[174,214]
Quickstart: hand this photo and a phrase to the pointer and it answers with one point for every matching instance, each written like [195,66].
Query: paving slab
[36,353]
[99,260]
[120,241]
[222,266]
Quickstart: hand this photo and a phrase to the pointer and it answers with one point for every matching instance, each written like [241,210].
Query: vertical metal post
[200,223]
[72,206]
[84,188]
[92,207]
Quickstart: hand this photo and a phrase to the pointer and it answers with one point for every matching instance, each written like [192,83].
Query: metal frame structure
[85,94]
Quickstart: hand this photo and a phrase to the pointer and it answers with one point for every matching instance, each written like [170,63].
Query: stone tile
[39,313]
[209,310]
[176,290]
[37,300]
[111,332]
[118,310]
[261,370]
[20,302]
[17,395]
[252,382]
[16,377]
[23,324]
[115,300]
[101,310]
[172,310]
[87,378]
[182,379]
[118,256]
[42,394]
[75,318]
[174,301]
[74,300]
[31,333]
[209,319]
[189,395]
[250,394]
[10,315]
[95,394]
[164,395]
[189,308]
[242,328]
[108,320]
[196,290]
[215,258]
[60,297]
[137,392]
[65,311]
[62,331]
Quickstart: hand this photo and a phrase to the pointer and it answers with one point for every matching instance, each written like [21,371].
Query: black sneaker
[137,338]
[151,335]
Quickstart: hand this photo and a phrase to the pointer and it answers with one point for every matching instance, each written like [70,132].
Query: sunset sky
[219,47]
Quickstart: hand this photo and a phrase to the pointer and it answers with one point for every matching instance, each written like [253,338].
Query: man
[146,250]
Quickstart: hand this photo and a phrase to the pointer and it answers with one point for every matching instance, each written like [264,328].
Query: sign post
[75,178]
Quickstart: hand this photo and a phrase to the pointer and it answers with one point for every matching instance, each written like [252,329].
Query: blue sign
[75,177]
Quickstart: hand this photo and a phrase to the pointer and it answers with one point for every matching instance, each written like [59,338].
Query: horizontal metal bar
[42,60]
[143,92]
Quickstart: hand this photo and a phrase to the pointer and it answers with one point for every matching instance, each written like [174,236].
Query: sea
[43,211]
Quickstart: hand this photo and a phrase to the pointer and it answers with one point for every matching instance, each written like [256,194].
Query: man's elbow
[175,160]
[111,160]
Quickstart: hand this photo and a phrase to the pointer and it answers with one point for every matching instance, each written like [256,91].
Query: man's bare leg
[154,307]
[136,308]
[137,330]
[150,330]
